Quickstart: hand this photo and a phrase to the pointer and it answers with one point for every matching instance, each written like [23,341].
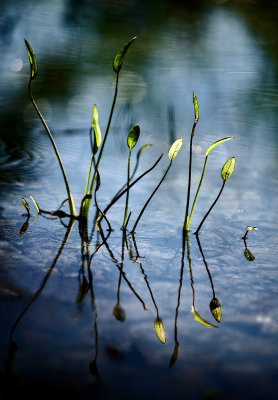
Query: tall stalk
[33,74]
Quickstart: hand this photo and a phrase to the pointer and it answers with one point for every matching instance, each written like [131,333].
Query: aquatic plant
[33,74]
[226,173]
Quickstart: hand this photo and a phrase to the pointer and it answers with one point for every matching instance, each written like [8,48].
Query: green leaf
[228,168]
[133,136]
[26,205]
[96,128]
[175,148]
[196,107]
[215,144]
[215,308]
[248,255]
[251,228]
[160,331]
[36,204]
[24,228]
[201,320]
[119,57]
[33,61]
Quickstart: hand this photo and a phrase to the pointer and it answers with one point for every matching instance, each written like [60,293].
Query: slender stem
[196,196]
[206,265]
[211,207]
[115,199]
[86,205]
[189,177]
[127,192]
[149,199]
[71,201]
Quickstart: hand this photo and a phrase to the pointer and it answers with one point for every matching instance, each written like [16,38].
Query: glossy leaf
[119,57]
[175,148]
[251,228]
[133,136]
[33,61]
[24,228]
[160,331]
[215,308]
[201,320]
[36,204]
[96,128]
[196,107]
[248,255]
[228,168]
[217,143]
[26,205]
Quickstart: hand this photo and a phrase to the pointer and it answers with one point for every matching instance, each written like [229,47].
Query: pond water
[74,328]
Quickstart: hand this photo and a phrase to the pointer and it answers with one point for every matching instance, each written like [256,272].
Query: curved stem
[149,199]
[196,196]
[71,201]
[189,177]
[211,207]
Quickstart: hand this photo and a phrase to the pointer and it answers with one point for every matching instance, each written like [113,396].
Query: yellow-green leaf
[96,128]
[119,312]
[119,57]
[26,205]
[174,356]
[248,255]
[159,329]
[196,107]
[33,61]
[215,308]
[215,144]
[175,148]
[201,320]
[36,204]
[145,147]
[133,136]
[228,168]
[251,228]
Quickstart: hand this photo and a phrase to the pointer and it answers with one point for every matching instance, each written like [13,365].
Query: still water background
[227,53]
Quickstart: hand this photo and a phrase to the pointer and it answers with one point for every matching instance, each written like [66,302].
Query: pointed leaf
[215,308]
[119,58]
[24,228]
[228,168]
[251,228]
[33,61]
[175,148]
[160,331]
[96,129]
[119,312]
[174,356]
[196,107]
[248,255]
[36,204]
[201,320]
[215,144]
[26,205]
[133,136]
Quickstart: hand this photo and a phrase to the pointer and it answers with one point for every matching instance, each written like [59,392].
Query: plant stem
[115,199]
[189,176]
[86,205]
[211,207]
[196,196]
[71,201]
[127,192]
[149,199]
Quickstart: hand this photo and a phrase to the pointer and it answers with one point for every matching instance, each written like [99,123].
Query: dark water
[54,344]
